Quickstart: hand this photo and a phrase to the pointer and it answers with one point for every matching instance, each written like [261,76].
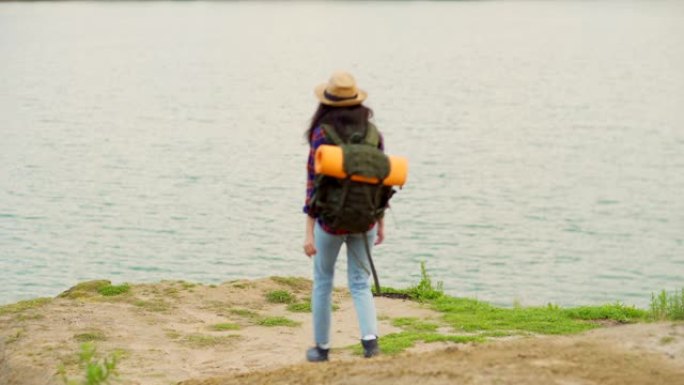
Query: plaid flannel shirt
[318,138]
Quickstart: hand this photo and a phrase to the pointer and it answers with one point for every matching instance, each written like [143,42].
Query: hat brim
[361,95]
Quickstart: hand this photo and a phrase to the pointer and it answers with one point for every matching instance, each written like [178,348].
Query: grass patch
[497,334]
[277,321]
[616,312]
[424,291]
[280,296]
[112,290]
[666,306]
[484,320]
[487,321]
[256,319]
[305,306]
[300,307]
[225,326]
[207,341]
[295,283]
[24,305]
[85,289]
[414,324]
[395,343]
[94,370]
[472,316]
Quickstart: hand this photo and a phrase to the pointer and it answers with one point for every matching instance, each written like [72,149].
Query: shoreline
[256,331]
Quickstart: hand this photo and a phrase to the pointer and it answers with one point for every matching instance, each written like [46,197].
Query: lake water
[164,140]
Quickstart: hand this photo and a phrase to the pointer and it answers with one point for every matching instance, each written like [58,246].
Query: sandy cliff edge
[174,331]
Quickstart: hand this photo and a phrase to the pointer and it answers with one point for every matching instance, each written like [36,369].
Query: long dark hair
[342,118]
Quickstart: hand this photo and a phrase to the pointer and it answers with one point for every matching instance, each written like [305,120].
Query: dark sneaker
[370,348]
[317,354]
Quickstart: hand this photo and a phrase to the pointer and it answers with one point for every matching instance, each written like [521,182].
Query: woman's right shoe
[370,348]
[317,354]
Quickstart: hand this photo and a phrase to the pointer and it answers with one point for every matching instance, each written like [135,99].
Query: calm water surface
[163,140]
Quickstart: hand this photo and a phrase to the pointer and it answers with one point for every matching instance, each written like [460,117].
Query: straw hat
[340,91]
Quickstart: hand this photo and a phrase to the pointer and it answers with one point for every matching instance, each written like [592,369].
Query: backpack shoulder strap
[331,134]
[372,135]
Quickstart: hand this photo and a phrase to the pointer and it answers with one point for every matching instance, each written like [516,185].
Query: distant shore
[252,332]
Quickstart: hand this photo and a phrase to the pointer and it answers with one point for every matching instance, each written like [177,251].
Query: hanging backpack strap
[372,265]
[376,281]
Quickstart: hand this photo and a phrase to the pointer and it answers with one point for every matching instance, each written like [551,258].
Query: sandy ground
[164,335]
[625,355]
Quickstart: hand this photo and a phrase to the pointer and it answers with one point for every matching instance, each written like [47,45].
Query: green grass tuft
[300,307]
[207,341]
[295,283]
[95,370]
[85,289]
[225,326]
[112,290]
[414,324]
[395,343]
[305,306]
[616,312]
[472,315]
[277,321]
[280,296]
[424,291]
[667,307]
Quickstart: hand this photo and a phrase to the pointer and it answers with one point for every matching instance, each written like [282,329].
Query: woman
[340,107]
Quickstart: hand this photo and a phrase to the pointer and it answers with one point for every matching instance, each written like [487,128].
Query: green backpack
[345,204]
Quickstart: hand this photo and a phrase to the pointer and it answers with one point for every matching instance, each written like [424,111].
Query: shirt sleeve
[317,138]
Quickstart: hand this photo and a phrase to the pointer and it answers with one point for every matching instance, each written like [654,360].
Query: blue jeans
[327,248]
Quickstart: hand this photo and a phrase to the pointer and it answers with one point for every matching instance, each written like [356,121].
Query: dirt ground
[620,356]
[164,333]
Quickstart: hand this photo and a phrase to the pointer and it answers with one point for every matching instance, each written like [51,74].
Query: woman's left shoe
[370,348]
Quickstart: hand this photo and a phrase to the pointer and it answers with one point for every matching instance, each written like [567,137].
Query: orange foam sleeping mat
[329,160]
